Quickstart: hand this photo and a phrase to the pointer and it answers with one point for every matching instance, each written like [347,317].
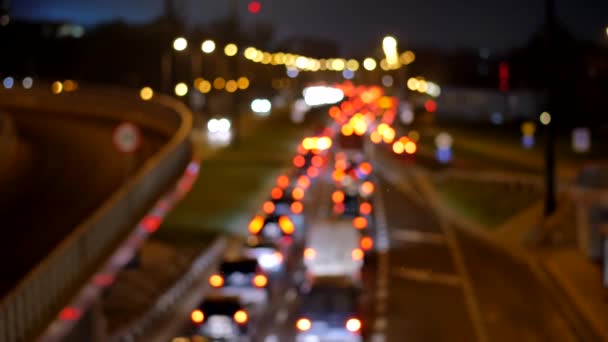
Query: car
[242,277]
[333,248]
[352,207]
[329,311]
[269,254]
[221,318]
[286,202]
[279,228]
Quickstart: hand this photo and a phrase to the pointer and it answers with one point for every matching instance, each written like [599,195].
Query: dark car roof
[220,305]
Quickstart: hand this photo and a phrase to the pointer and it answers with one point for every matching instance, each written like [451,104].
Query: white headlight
[213,125]
[224,125]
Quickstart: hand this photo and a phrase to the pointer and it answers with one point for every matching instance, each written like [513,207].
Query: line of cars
[285,239]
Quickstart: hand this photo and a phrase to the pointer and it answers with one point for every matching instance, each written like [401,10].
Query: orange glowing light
[357,254]
[398,147]
[216,280]
[340,164]
[276,193]
[410,147]
[317,161]
[299,161]
[260,280]
[367,243]
[256,225]
[334,112]
[339,208]
[286,225]
[337,196]
[367,187]
[297,207]
[297,194]
[309,143]
[303,324]
[338,175]
[347,130]
[366,168]
[312,172]
[360,222]
[310,253]
[240,317]
[365,208]
[283,181]
[268,207]
[197,316]
[375,137]
[303,182]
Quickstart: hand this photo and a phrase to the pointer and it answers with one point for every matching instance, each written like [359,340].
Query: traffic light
[503,76]
[254,7]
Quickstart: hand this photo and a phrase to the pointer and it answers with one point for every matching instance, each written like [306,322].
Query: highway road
[434,282]
[70,168]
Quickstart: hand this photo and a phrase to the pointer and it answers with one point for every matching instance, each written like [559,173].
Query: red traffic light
[254,7]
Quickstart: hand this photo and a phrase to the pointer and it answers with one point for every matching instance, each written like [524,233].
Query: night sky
[494,24]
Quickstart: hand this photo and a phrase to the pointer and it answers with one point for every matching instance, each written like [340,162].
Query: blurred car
[241,277]
[329,311]
[277,228]
[333,249]
[268,253]
[221,318]
[219,125]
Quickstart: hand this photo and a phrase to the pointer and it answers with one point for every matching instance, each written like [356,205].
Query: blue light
[348,74]
[292,72]
[8,82]
[444,155]
[527,141]
[496,118]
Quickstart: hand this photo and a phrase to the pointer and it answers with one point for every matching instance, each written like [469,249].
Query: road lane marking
[472,303]
[409,235]
[271,338]
[427,276]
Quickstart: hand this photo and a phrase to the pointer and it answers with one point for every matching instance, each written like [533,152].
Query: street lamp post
[550,202]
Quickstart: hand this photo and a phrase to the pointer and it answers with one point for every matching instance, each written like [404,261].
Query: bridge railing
[40,295]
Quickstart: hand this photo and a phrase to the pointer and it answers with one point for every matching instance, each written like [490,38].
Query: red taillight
[303,324]
[256,225]
[299,161]
[268,207]
[297,194]
[276,193]
[286,225]
[197,316]
[283,181]
[360,222]
[260,281]
[353,325]
[367,243]
[297,207]
[337,196]
[365,208]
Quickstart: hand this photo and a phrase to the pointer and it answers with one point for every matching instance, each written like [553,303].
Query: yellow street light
[180,44]
[412,83]
[231,50]
[208,46]
[369,64]
[352,65]
[146,93]
[181,89]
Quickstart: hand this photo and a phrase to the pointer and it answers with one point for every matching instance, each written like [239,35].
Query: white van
[333,249]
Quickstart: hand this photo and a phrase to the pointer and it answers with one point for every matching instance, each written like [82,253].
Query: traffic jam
[299,272]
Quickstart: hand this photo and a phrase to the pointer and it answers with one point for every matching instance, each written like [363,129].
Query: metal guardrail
[40,295]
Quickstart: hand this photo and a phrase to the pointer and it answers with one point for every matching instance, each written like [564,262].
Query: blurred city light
[292,72]
[204,86]
[69,85]
[146,93]
[219,83]
[352,65]
[444,155]
[180,44]
[430,106]
[369,64]
[412,84]
[443,140]
[389,46]
[387,80]
[231,50]
[181,89]
[222,125]
[243,83]
[527,141]
[254,7]
[261,106]
[208,46]
[581,139]
[545,118]
[407,57]
[231,86]
[8,82]
[322,95]
[57,87]
[27,82]
[406,114]
[348,74]
[496,118]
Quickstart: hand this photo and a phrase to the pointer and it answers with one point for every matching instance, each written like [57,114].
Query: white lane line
[427,276]
[409,235]
[472,303]
[291,295]
[271,338]
[281,316]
